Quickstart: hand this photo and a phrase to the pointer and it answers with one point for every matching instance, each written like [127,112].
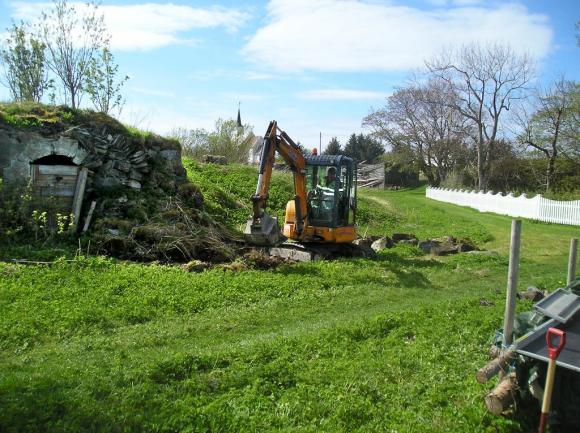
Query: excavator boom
[261,228]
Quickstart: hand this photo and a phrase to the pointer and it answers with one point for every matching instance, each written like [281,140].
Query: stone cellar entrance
[56,182]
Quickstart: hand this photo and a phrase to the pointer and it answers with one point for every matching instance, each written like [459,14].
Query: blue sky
[313,65]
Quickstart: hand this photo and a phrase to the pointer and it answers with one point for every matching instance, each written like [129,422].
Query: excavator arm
[262,229]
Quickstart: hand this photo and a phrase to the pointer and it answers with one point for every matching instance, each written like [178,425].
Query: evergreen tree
[333,147]
[363,148]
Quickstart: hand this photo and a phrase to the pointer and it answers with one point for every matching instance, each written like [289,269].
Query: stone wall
[114,157]
[19,148]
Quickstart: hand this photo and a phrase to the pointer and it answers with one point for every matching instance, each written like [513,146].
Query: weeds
[24,218]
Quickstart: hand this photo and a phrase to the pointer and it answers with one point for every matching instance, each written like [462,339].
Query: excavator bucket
[263,231]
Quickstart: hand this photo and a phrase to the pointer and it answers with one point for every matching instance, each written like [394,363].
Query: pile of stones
[438,246]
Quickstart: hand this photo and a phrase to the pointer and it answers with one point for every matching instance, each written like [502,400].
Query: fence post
[512,286]
[572,259]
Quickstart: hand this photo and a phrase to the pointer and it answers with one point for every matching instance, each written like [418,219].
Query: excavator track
[302,252]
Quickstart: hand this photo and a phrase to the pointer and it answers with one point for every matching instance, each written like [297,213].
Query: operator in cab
[330,178]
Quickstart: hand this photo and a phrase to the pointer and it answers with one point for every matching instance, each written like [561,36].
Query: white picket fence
[537,208]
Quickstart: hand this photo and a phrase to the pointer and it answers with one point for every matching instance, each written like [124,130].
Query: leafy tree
[230,140]
[553,127]
[101,82]
[333,147]
[401,167]
[488,80]
[363,148]
[194,142]
[73,38]
[24,64]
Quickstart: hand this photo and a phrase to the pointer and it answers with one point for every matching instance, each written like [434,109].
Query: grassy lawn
[389,345]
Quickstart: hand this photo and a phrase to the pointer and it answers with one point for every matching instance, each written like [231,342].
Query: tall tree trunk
[430,179]
[481,181]
[552,157]
[550,171]
[437,180]
[73,99]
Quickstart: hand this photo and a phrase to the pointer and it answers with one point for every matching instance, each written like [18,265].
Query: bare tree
[488,79]
[552,126]
[25,72]
[73,38]
[422,117]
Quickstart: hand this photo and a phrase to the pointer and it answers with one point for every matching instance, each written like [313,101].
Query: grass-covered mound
[146,208]
[50,119]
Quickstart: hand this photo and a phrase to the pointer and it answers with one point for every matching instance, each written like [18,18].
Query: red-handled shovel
[553,351]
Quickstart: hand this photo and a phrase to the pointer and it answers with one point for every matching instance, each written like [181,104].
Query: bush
[529,175]
[25,218]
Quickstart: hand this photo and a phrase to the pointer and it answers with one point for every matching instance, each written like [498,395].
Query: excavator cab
[330,201]
[331,186]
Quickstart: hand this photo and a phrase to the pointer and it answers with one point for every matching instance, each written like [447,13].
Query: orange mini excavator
[323,210]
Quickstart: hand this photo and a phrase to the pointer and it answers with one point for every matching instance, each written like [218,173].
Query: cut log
[502,397]
[495,366]
[89,216]
[494,352]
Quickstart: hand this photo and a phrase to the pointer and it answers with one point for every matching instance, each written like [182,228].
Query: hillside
[345,345]
[227,190]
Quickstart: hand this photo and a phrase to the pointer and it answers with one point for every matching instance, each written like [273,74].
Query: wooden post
[572,260]
[510,304]
[79,195]
[89,217]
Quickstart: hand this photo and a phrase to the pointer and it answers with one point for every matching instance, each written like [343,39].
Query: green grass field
[385,345]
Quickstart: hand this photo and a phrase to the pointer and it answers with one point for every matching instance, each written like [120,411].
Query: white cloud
[364,35]
[455,2]
[153,92]
[162,119]
[149,25]
[259,76]
[248,75]
[340,94]
[235,96]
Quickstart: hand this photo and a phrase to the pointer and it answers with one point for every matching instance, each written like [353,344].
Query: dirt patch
[251,260]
